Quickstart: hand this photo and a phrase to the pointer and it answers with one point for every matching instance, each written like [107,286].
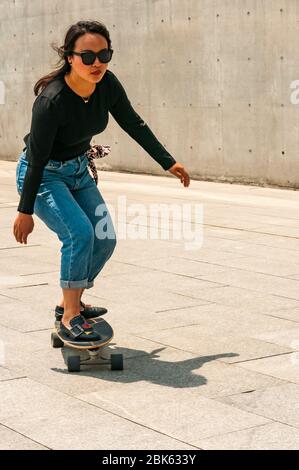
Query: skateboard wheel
[73,363]
[117,362]
[56,341]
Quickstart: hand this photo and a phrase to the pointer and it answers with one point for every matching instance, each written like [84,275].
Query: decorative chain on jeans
[96,151]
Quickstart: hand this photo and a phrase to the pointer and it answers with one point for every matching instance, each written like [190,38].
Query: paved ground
[210,335]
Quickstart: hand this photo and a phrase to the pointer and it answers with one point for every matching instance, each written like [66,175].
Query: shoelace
[96,151]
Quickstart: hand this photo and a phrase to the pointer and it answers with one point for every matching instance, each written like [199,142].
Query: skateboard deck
[92,348]
[99,325]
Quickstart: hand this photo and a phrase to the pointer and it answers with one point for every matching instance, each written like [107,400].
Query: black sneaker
[79,330]
[87,312]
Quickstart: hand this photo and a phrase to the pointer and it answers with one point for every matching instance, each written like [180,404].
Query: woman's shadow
[143,366]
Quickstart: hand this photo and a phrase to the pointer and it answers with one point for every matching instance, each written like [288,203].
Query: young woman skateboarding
[56,176]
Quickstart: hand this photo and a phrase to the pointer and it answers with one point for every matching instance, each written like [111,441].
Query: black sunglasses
[88,57]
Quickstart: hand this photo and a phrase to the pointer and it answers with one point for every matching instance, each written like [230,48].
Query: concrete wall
[216,80]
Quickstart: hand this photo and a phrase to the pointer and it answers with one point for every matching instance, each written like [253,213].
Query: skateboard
[73,361]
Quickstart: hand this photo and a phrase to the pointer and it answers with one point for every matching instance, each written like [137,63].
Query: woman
[52,174]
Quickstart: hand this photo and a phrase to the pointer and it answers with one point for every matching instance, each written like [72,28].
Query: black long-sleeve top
[62,127]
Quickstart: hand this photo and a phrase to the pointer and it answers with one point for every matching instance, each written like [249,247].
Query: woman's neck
[79,86]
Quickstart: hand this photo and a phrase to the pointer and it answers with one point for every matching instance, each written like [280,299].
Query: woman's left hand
[178,170]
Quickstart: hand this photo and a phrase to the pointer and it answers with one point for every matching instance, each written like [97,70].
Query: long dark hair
[73,33]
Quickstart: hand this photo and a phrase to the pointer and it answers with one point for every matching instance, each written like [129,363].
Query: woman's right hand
[23,225]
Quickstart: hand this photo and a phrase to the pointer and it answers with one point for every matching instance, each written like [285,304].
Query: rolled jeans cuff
[74,284]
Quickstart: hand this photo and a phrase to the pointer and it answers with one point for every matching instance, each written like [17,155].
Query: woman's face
[92,42]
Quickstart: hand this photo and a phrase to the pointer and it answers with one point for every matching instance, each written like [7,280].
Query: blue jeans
[68,201]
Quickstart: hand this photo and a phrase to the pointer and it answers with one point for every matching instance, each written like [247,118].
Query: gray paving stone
[279,403]
[282,230]
[35,278]
[14,344]
[286,313]
[133,251]
[31,401]
[284,337]
[285,367]
[43,414]
[180,265]
[124,291]
[142,314]
[230,250]
[213,254]
[11,440]
[36,252]
[217,319]
[274,241]
[19,267]
[45,293]
[227,233]
[117,268]
[245,299]
[206,374]
[181,413]
[281,268]
[272,436]
[48,366]
[7,374]
[155,278]
[195,339]
[144,361]
[260,282]
[196,327]
[25,316]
